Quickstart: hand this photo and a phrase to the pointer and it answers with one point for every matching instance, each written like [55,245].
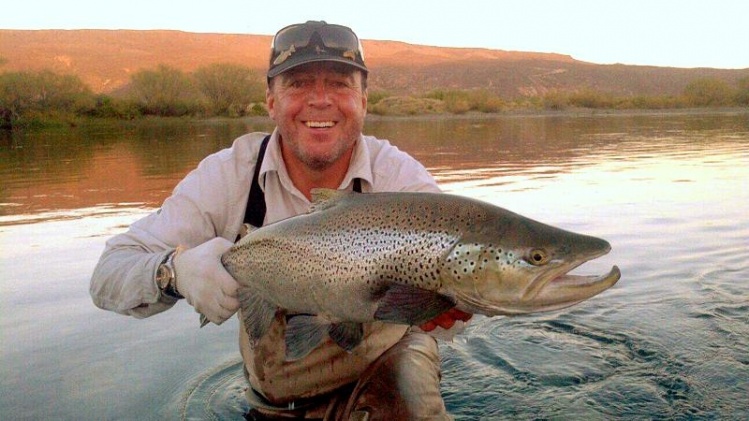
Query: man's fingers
[230,304]
[229,286]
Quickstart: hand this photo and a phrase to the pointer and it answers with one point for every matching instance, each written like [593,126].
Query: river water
[669,341]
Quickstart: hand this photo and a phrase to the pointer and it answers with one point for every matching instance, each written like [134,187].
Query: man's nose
[319,93]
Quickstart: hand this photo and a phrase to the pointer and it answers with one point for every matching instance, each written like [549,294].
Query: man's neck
[305,178]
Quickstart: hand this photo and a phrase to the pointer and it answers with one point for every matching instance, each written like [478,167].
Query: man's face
[319,109]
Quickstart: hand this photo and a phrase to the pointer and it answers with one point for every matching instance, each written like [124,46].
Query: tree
[229,88]
[29,95]
[65,93]
[165,91]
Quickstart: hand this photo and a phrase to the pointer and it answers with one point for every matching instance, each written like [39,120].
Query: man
[318,98]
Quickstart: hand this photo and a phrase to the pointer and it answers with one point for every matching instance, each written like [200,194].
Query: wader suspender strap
[255,213]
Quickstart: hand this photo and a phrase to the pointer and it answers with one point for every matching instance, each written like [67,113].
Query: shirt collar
[273,163]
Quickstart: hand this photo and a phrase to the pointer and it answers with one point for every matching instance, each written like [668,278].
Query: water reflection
[107,163]
[140,162]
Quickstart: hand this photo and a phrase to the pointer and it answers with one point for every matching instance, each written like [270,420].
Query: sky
[673,33]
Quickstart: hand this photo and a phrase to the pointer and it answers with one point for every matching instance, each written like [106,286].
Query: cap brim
[290,64]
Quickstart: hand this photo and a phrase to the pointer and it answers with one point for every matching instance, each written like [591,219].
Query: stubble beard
[319,162]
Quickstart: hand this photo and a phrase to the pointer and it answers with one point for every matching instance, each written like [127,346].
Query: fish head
[514,265]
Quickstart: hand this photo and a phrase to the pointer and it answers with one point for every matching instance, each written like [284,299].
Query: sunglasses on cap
[314,41]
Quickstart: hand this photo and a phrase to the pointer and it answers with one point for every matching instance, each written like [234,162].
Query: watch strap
[170,288]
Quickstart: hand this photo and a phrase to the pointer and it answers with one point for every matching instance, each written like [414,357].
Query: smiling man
[317,96]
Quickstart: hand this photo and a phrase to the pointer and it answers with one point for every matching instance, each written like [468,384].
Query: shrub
[742,93]
[42,95]
[165,91]
[229,89]
[708,92]
[398,105]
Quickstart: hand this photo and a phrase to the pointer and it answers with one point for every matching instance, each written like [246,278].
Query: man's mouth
[319,124]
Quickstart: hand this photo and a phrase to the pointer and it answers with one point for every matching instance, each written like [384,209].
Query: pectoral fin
[410,305]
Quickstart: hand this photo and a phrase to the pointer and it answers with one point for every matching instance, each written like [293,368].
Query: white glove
[203,281]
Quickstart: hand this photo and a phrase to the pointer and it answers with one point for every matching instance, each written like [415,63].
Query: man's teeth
[320,124]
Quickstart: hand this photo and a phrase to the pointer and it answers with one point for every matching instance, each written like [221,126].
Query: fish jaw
[558,290]
[513,283]
[567,290]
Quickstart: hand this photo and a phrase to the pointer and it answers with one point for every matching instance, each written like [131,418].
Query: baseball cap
[314,41]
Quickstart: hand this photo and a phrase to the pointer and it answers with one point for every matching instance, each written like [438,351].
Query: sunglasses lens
[332,36]
[296,35]
[339,37]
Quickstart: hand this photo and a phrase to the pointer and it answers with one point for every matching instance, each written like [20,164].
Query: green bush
[229,89]
[486,102]
[708,92]
[165,91]
[404,105]
[373,97]
[257,109]
[742,92]
[27,97]
[107,107]
[588,98]
[463,101]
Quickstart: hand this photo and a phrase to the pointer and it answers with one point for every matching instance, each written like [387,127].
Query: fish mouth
[581,281]
[559,289]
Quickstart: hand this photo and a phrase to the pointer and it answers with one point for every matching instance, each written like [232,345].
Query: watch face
[162,277]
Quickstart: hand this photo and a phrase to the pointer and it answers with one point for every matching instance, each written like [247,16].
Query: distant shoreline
[577,112]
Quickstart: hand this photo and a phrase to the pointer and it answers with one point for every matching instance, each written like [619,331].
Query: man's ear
[365,100]
[270,102]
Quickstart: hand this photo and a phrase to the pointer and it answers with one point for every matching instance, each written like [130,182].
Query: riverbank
[471,115]
[576,112]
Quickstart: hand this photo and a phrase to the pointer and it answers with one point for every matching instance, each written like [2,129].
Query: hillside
[105,60]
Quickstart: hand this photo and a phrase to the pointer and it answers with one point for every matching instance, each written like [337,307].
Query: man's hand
[446,320]
[203,281]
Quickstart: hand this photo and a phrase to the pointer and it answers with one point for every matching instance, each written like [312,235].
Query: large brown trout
[403,258]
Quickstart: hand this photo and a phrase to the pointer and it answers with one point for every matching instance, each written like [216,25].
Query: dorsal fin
[324,198]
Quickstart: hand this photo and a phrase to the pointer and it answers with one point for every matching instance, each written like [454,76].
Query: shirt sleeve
[207,203]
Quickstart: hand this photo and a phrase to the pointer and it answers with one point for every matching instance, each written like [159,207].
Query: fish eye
[538,257]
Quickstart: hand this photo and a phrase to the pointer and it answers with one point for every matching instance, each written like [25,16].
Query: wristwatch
[166,277]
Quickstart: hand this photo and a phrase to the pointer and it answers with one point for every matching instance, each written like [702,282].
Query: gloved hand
[447,325]
[446,320]
[203,281]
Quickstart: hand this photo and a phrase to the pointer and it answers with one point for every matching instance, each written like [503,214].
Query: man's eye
[298,83]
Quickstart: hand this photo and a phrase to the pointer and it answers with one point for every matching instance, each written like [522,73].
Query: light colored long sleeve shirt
[211,201]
